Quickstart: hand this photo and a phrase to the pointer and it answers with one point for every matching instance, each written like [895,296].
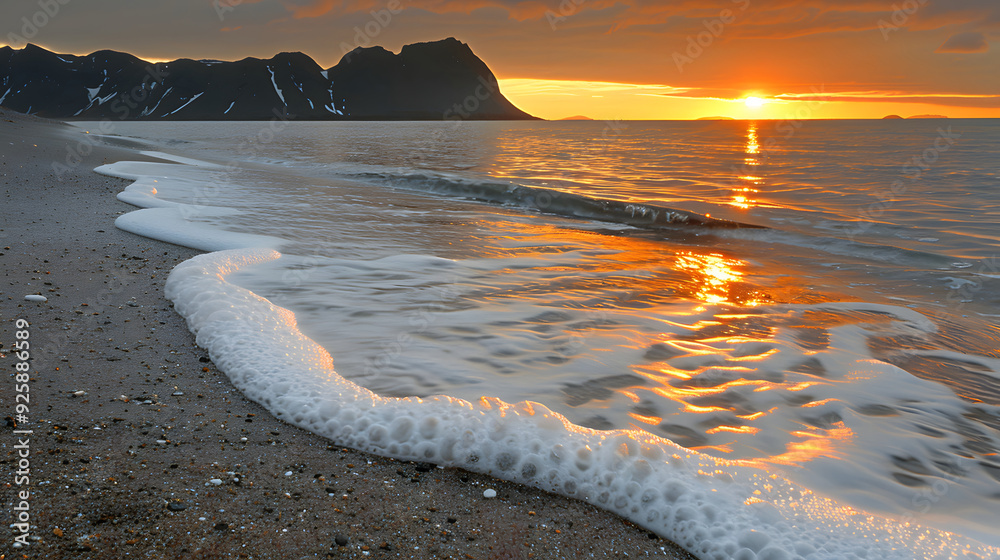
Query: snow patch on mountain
[190,101]
[276,88]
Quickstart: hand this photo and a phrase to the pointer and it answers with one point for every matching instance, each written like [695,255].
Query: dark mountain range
[425,81]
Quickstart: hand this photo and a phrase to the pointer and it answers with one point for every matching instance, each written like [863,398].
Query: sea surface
[818,301]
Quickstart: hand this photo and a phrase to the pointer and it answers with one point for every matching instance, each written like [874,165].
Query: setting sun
[754,102]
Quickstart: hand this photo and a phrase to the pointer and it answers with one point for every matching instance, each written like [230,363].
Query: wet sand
[141,448]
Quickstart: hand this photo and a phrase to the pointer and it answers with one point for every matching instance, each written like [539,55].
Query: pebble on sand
[35,297]
[489,493]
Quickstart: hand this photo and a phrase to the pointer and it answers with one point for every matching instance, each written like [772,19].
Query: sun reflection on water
[719,279]
[745,195]
[709,373]
[716,347]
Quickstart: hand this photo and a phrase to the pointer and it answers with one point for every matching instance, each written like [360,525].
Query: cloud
[753,18]
[953,100]
[987,101]
[968,42]
[517,9]
[525,87]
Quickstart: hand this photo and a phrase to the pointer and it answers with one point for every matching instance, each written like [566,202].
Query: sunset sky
[606,59]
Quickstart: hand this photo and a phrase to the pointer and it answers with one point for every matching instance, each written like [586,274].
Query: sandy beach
[141,448]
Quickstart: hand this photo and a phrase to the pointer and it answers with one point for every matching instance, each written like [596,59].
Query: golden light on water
[752,146]
[717,272]
[712,361]
[745,195]
[661,273]
[719,366]
[816,443]
[733,429]
[646,419]
[719,278]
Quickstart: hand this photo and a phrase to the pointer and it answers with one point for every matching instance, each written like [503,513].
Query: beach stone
[175,506]
[489,493]
[341,540]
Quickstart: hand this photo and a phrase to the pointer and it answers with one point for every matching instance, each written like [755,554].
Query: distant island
[577,118]
[891,117]
[440,80]
[716,119]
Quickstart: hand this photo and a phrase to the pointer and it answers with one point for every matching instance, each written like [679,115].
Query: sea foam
[713,507]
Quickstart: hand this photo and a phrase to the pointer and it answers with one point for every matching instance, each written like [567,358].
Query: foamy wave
[819,391]
[176,222]
[712,507]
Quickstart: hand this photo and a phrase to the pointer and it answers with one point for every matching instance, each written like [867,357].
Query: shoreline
[128,467]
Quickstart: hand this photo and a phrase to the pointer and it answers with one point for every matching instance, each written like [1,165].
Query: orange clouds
[950,100]
[764,18]
[519,10]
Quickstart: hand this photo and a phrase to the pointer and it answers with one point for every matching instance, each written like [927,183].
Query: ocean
[760,339]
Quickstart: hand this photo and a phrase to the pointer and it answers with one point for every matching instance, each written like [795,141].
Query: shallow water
[850,345]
